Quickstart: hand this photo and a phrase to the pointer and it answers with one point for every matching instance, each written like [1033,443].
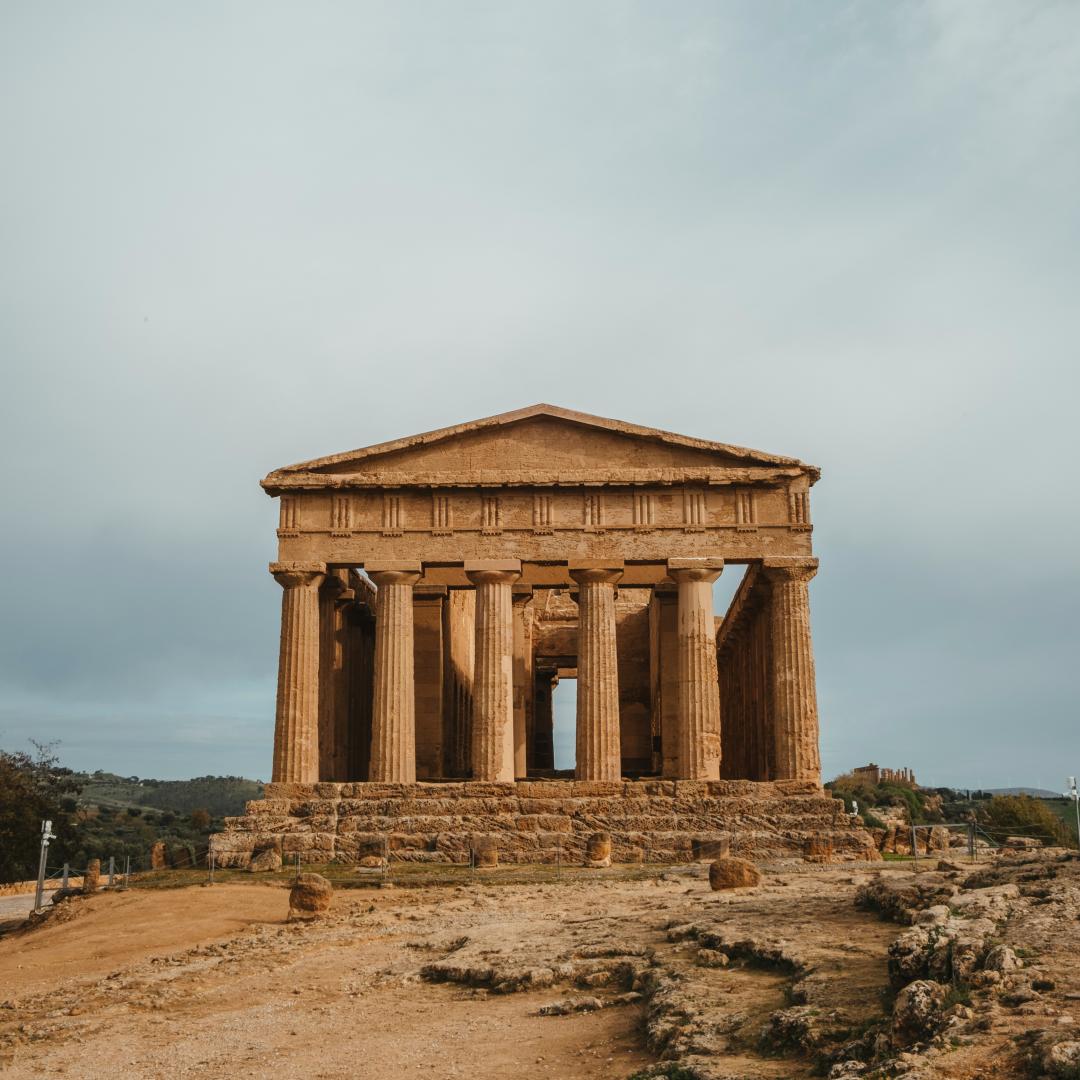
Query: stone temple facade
[436,588]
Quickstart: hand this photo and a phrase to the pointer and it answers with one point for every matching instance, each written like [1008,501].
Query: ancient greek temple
[435,589]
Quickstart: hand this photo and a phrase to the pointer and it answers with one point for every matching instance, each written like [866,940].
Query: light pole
[46,836]
[1073,794]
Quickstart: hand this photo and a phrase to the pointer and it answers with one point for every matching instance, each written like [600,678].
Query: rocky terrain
[820,970]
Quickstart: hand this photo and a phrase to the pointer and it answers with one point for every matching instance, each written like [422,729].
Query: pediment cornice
[368,466]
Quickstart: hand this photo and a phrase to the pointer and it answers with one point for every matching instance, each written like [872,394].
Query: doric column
[428,652]
[493,684]
[296,728]
[360,668]
[698,688]
[459,637]
[598,746]
[393,719]
[521,596]
[794,691]
[334,597]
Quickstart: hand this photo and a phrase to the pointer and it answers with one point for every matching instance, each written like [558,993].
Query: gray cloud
[240,236]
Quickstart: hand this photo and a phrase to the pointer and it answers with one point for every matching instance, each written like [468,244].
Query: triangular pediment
[540,444]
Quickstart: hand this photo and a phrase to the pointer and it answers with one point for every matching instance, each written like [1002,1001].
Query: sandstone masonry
[436,588]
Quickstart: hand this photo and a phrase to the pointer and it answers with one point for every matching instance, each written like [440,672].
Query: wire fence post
[46,836]
[112,870]
[67,874]
[127,872]
[915,846]
[210,867]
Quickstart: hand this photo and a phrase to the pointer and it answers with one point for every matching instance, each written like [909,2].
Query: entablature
[280,483]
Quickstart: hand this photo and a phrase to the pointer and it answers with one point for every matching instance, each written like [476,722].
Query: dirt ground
[447,981]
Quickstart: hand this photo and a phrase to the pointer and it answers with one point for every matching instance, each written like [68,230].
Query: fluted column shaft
[334,597]
[794,688]
[493,682]
[599,752]
[698,687]
[393,719]
[296,727]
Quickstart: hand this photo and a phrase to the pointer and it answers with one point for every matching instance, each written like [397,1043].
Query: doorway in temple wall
[564,715]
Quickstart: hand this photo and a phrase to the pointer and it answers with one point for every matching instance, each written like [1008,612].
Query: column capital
[292,574]
[589,572]
[493,571]
[707,569]
[783,568]
[394,574]
[336,586]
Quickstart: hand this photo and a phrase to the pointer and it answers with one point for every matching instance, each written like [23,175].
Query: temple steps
[543,821]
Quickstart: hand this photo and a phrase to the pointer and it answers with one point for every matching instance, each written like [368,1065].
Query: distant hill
[1034,792]
[222,796]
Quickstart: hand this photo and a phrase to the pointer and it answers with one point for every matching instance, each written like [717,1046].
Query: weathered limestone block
[555,823]
[269,859]
[481,789]
[708,848]
[310,896]
[157,855]
[596,787]
[308,844]
[288,791]
[818,848]
[375,790]
[730,788]
[485,851]
[412,841]
[551,806]
[598,850]
[243,824]
[92,877]
[552,840]
[732,873]
[267,806]
[647,788]
[438,791]
[359,808]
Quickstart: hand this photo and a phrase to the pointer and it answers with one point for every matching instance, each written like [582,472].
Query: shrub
[1022,815]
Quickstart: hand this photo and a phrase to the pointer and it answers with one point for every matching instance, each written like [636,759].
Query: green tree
[33,788]
[1022,815]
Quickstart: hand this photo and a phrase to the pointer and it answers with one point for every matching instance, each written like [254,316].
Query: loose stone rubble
[867,972]
[311,895]
[733,874]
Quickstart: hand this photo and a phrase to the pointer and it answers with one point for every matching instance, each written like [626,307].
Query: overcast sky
[238,235]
